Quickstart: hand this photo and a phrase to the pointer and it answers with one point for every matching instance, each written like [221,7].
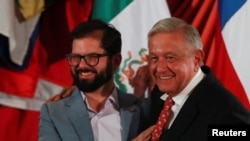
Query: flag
[223,25]
[133,18]
[16,36]
[23,91]
[27,9]
[235,32]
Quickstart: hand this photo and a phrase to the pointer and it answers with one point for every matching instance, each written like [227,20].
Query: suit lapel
[182,121]
[128,112]
[78,115]
[189,111]
[126,119]
[192,106]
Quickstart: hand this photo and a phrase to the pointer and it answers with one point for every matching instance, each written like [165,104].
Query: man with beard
[97,110]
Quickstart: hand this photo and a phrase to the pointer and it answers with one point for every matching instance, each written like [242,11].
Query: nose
[82,63]
[161,65]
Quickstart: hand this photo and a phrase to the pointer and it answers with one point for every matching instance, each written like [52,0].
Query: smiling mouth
[85,73]
[165,77]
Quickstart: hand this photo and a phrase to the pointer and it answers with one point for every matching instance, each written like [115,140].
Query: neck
[97,99]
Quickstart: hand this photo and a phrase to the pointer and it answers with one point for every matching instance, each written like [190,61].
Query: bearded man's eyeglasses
[90,59]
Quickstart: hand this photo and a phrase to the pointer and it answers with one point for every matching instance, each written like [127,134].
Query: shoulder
[61,105]
[52,108]
[128,99]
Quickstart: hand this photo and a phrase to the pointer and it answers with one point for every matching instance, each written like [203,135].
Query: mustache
[85,70]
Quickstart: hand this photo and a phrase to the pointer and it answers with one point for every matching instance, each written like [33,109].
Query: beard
[99,80]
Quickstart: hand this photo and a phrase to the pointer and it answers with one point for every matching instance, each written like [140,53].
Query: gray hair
[190,34]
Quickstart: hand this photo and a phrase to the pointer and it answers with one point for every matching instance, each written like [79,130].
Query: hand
[66,92]
[145,135]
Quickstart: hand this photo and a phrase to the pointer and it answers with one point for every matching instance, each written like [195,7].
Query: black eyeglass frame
[79,57]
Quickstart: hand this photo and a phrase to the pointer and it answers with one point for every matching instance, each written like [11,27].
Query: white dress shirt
[106,124]
[181,98]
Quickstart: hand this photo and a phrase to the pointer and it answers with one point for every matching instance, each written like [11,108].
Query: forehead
[166,41]
[87,45]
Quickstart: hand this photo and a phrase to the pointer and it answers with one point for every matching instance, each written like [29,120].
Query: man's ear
[199,57]
[117,59]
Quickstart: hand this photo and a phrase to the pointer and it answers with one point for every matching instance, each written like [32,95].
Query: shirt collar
[186,91]
[113,98]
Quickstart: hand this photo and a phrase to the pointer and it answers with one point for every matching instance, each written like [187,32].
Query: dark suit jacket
[209,104]
[68,118]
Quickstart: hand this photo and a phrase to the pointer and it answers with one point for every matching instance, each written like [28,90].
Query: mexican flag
[133,18]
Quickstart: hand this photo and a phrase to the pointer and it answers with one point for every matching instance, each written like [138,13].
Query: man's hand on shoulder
[66,92]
